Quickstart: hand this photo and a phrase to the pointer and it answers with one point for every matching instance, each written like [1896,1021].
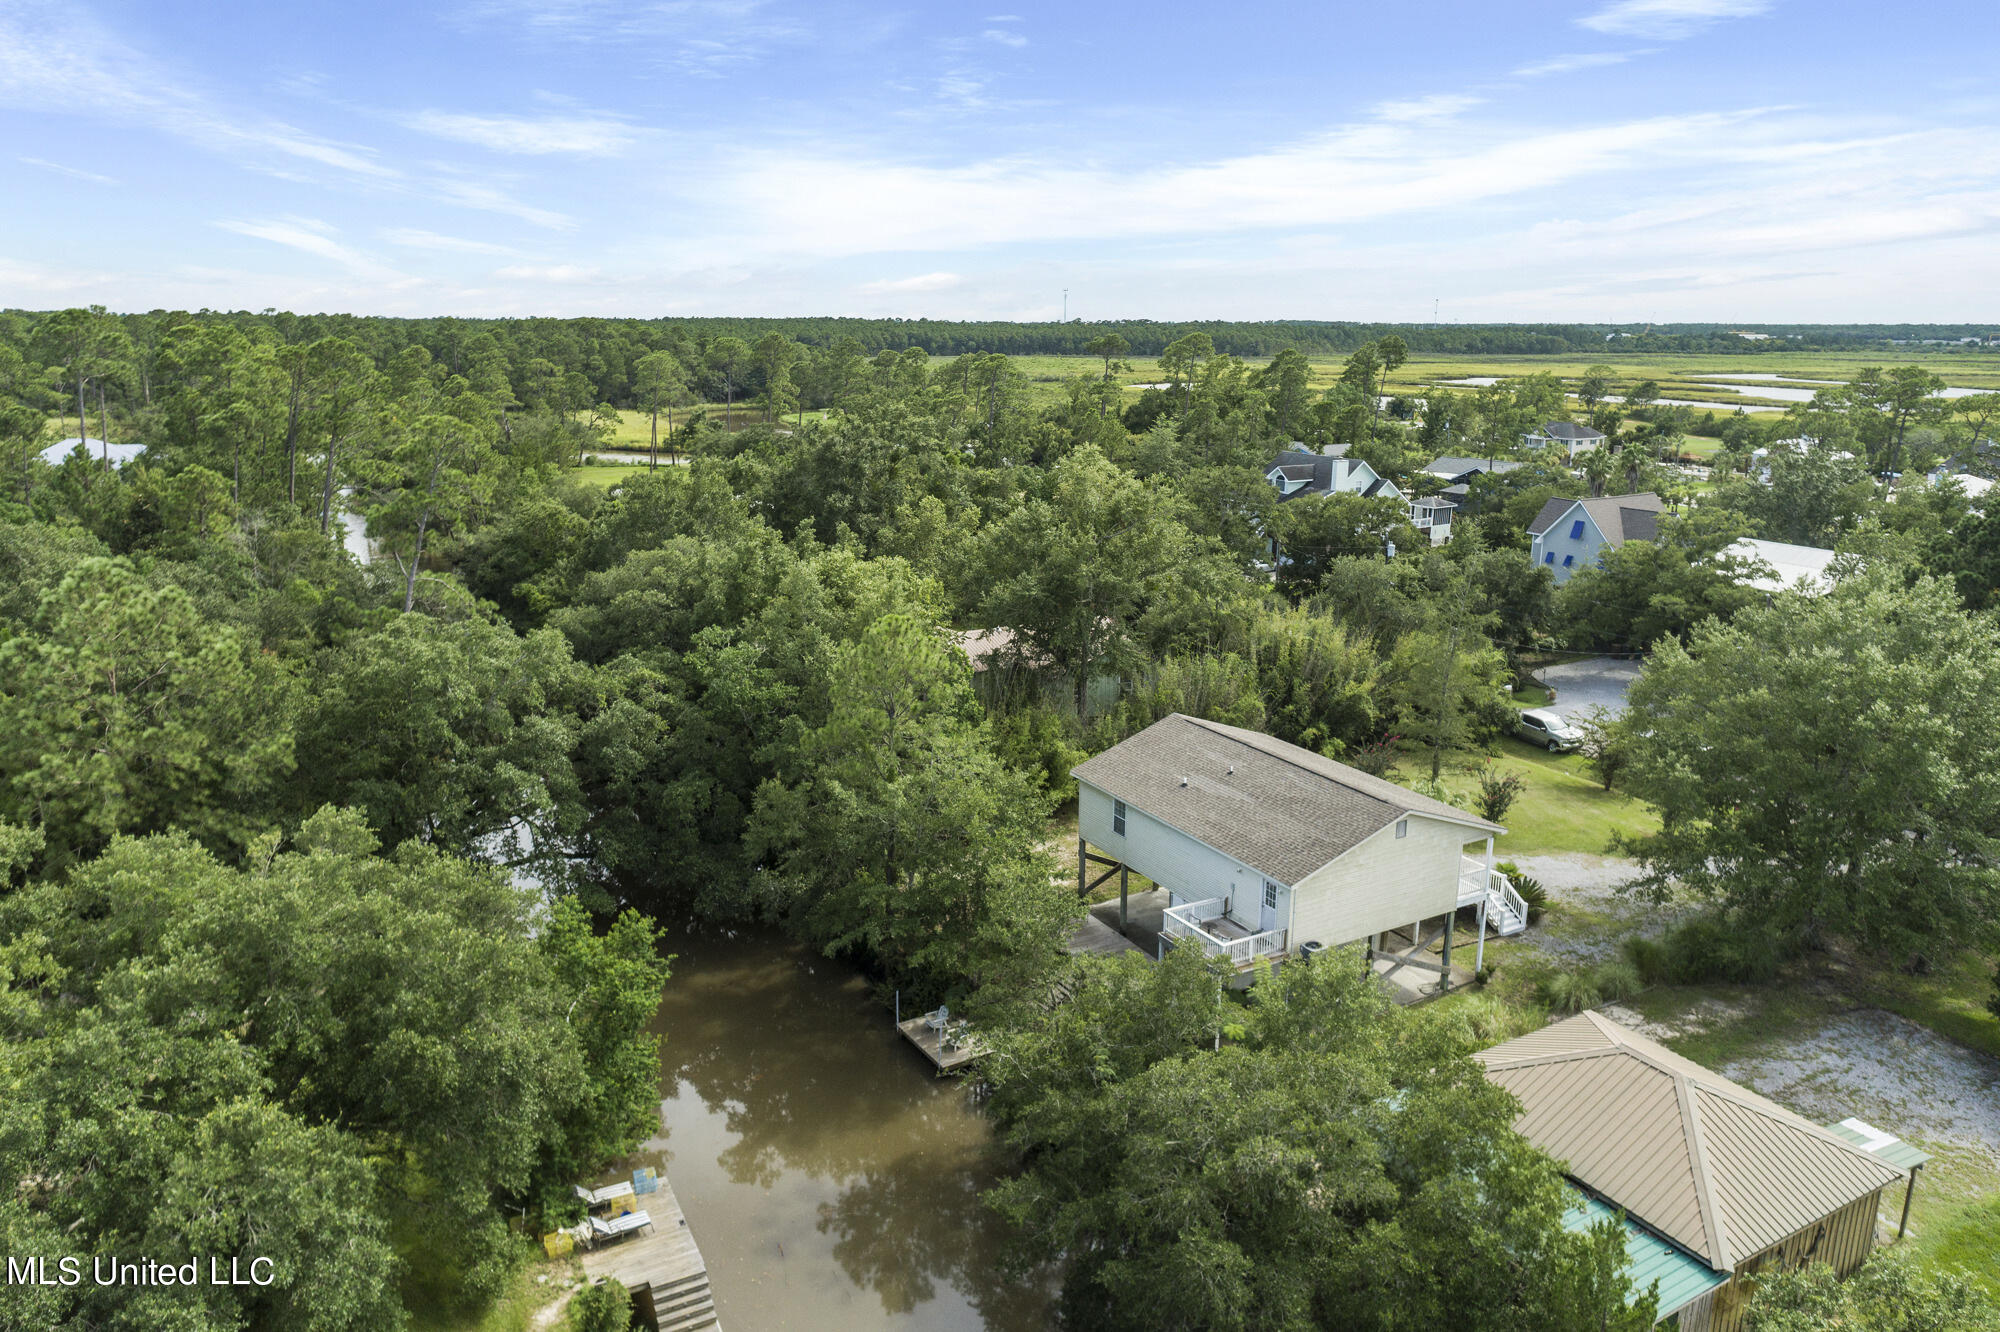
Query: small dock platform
[920,1033]
[661,1266]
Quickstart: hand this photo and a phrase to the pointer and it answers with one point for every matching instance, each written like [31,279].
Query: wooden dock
[661,1267]
[919,1032]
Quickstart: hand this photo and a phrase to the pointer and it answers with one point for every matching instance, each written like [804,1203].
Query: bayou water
[830,1179]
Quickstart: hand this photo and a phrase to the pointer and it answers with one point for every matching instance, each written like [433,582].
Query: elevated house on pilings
[1265,848]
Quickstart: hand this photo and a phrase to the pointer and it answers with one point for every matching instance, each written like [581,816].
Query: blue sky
[1737,160]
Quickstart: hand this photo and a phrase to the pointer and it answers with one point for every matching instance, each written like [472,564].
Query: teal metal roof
[1683,1278]
[1883,1146]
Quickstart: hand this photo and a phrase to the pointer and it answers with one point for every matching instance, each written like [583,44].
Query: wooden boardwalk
[661,1267]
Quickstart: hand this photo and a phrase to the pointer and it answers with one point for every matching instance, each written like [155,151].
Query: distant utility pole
[1065,305]
[1434,312]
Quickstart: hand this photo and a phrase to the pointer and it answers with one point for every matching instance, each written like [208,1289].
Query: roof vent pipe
[1183,781]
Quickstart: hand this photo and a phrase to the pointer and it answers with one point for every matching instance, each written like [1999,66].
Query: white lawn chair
[618,1226]
[606,1196]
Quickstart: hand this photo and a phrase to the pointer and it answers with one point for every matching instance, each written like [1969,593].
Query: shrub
[1618,980]
[1375,759]
[1040,741]
[1437,790]
[1498,790]
[1570,991]
[601,1308]
[1529,887]
[1706,949]
[1476,1021]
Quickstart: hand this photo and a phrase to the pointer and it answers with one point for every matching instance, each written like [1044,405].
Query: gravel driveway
[1595,682]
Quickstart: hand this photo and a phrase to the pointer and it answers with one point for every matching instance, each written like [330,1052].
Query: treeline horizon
[1145,337]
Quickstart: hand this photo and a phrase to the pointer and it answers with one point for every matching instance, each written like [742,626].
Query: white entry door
[1267,919]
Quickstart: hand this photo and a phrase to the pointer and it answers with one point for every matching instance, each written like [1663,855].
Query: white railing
[1183,922]
[1478,881]
[1472,880]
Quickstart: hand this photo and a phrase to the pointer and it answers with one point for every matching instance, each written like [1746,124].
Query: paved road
[1596,682]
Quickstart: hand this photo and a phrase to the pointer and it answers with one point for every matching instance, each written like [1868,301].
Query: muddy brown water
[829,1178]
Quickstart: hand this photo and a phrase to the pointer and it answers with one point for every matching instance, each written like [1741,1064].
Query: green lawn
[1561,810]
[610,476]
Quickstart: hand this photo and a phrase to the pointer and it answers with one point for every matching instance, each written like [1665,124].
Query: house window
[1568,560]
[1118,817]
[1402,827]
[1576,530]
[1549,558]
[1271,896]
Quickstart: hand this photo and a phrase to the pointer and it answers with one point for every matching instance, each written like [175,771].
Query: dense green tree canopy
[1829,763]
[1331,1165]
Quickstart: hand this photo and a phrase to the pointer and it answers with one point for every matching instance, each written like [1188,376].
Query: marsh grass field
[1689,376]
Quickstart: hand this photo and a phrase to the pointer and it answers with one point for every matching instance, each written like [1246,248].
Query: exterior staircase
[685,1305]
[1506,913]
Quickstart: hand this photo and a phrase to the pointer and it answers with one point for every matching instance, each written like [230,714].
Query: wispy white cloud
[473,194]
[309,236]
[416,238]
[700,37]
[1431,106]
[50,52]
[922,282]
[1369,170]
[1668,20]
[577,136]
[76,173]
[1002,37]
[557,273]
[1581,60]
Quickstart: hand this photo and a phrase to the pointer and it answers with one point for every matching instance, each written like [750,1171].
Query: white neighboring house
[98,450]
[1432,514]
[1760,459]
[1457,474]
[1264,846]
[1296,472]
[1331,472]
[1570,534]
[1566,435]
[1793,568]
[1975,487]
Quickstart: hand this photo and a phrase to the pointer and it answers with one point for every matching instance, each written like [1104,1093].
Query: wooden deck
[920,1034]
[1100,938]
[661,1267]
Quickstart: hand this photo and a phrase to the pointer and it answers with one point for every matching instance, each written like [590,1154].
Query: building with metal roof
[1674,1275]
[1792,567]
[1735,1180]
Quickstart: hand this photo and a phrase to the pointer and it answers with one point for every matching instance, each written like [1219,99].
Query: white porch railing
[1479,882]
[1184,923]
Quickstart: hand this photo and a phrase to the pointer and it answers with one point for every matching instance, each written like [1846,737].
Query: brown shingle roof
[1283,811]
[1712,1166]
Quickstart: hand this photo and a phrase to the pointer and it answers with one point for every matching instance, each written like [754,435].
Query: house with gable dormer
[1570,534]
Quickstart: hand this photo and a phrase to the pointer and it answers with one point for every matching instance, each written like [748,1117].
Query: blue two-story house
[1569,534]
